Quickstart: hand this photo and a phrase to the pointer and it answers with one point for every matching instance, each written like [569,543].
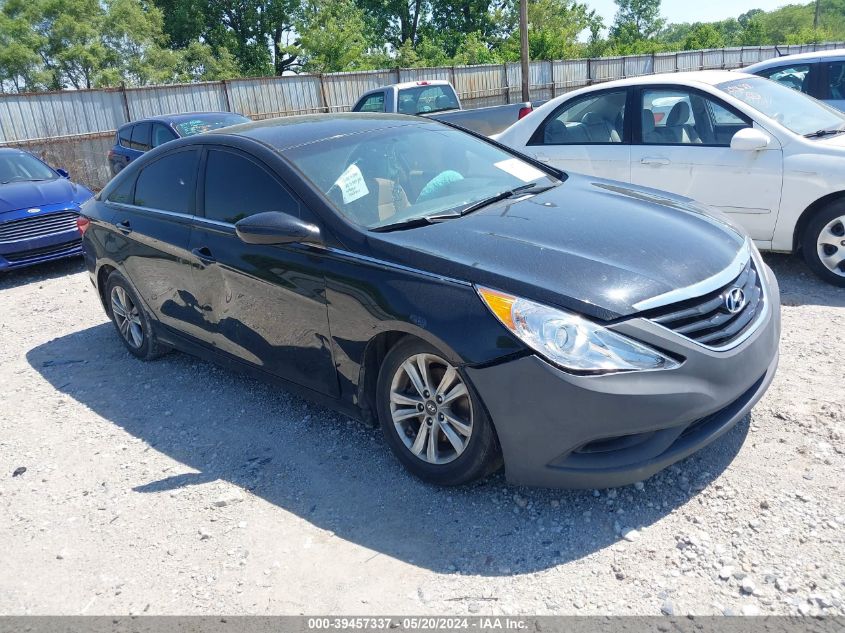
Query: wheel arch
[102,279]
[375,352]
[807,215]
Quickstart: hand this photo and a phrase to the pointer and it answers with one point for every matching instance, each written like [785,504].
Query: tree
[637,19]
[331,36]
[254,31]
[553,29]
[464,24]
[703,36]
[20,63]
[399,21]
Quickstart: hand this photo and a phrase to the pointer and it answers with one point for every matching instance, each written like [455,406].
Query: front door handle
[655,161]
[124,227]
[204,255]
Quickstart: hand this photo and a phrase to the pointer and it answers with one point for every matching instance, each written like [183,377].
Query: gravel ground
[176,487]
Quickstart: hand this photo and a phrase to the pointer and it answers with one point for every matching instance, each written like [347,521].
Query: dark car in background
[39,208]
[133,139]
[820,74]
[482,307]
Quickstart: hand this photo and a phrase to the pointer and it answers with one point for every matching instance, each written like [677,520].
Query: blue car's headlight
[570,341]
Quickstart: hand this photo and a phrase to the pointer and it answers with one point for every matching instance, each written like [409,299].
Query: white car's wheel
[823,243]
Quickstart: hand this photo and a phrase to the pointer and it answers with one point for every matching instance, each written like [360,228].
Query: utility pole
[816,18]
[523,39]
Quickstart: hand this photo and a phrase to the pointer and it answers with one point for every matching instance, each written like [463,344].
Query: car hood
[595,246]
[25,195]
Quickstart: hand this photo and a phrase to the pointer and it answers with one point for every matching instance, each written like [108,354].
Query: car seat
[555,133]
[598,129]
[677,127]
[649,130]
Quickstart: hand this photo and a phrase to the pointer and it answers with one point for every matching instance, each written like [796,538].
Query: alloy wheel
[831,246]
[431,409]
[127,317]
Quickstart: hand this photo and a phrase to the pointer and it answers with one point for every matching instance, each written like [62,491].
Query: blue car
[133,139]
[39,207]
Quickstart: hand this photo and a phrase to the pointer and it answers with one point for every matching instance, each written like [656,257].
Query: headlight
[570,341]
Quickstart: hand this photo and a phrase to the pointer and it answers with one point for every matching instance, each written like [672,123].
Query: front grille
[707,319]
[37,253]
[37,226]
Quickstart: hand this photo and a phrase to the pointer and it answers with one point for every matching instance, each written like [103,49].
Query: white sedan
[771,158]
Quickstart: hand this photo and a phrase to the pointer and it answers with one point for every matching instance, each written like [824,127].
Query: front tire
[823,243]
[130,319]
[432,419]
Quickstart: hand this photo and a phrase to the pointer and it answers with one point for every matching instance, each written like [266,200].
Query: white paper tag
[352,185]
[520,169]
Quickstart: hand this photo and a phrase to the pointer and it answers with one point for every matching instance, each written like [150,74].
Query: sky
[692,11]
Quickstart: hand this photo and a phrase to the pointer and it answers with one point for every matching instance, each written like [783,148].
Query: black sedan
[483,308]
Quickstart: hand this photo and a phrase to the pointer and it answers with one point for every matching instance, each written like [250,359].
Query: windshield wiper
[820,133]
[531,187]
[411,223]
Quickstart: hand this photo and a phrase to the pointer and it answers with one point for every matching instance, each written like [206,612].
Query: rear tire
[432,418]
[131,321]
[823,243]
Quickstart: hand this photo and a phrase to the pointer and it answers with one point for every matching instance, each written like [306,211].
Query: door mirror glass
[63,172]
[750,140]
[275,227]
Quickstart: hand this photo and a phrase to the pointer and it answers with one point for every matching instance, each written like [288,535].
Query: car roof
[691,78]
[777,61]
[180,117]
[288,132]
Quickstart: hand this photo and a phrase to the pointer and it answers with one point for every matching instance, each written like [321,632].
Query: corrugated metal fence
[74,129]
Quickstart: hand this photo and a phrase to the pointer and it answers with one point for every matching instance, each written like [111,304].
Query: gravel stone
[287,487]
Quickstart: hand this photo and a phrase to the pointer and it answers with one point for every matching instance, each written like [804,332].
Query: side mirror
[275,227]
[63,173]
[750,140]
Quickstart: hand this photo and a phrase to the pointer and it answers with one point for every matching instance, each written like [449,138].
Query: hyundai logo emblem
[33,210]
[735,300]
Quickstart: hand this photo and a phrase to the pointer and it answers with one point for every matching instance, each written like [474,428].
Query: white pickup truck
[438,99]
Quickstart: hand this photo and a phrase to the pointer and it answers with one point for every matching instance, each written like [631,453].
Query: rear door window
[122,193]
[124,136]
[594,120]
[141,137]
[169,183]
[257,191]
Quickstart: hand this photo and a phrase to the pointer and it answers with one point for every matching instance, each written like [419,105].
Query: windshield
[23,167]
[792,109]
[207,123]
[408,172]
[425,99]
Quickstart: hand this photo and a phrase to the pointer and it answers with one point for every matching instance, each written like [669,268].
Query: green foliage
[637,20]
[332,36]
[553,29]
[53,44]
[703,36]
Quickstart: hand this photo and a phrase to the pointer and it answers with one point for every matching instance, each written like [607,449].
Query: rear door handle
[204,255]
[655,161]
[124,227]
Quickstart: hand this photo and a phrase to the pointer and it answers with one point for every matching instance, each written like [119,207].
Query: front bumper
[561,430]
[54,240]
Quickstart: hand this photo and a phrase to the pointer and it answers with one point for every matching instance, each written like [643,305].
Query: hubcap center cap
[430,408]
